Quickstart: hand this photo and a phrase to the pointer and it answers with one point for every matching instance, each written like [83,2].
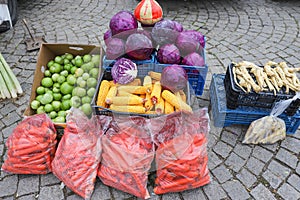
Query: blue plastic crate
[223,116]
[109,63]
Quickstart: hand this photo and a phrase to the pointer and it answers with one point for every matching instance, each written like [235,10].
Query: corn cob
[183,96]
[123,93]
[148,103]
[133,89]
[127,100]
[103,90]
[168,108]
[156,92]
[148,83]
[155,75]
[177,103]
[135,82]
[160,106]
[130,109]
[111,93]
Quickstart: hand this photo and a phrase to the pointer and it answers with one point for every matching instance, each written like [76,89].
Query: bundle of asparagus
[9,84]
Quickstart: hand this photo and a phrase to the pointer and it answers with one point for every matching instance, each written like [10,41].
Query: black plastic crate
[143,70]
[266,99]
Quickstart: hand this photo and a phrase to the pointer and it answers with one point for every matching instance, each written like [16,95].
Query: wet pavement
[254,30]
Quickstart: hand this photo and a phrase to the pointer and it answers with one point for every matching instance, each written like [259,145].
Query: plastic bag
[31,146]
[269,129]
[181,155]
[78,154]
[127,156]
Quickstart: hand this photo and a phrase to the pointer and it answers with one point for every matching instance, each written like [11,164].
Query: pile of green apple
[69,81]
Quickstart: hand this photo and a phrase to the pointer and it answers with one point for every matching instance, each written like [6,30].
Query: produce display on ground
[9,84]
[69,81]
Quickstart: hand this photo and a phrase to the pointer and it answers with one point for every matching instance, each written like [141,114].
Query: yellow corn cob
[127,100]
[123,93]
[135,82]
[177,103]
[183,96]
[155,75]
[148,103]
[151,112]
[103,90]
[111,93]
[168,108]
[143,96]
[148,83]
[128,109]
[133,89]
[156,92]
[160,106]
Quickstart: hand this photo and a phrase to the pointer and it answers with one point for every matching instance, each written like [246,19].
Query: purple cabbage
[168,54]
[123,24]
[115,48]
[165,31]
[107,36]
[197,36]
[124,71]
[193,59]
[187,44]
[174,78]
[138,46]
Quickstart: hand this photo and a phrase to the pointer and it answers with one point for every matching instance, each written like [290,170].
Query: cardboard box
[48,52]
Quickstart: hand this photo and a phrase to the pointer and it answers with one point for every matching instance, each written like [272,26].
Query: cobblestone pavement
[253,30]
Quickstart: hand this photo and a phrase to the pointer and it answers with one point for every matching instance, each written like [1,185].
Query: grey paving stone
[272,179]
[8,130]
[235,162]
[193,194]
[222,174]
[294,181]
[101,191]
[247,178]
[11,118]
[49,179]
[272,147]
[243,151]
[171,196]
[298,169]
[222,149]
[261,192]
[288,192]
[118,194]
[53,192]
[255,166]
[7,109]
[213,160]
[229,138]
[292,144]
[10,181]
[28,197]
[262,154]
[74,197]
[28,184]
[235,190]
[287,158]
[214,190]
[1,149]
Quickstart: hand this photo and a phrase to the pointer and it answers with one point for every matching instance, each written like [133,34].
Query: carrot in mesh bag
[78,154]
[181,156]
[31,146]
[127,156]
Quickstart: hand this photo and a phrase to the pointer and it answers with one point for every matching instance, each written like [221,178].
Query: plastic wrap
[31,146]
[127,155]
[181,155]
[78,154]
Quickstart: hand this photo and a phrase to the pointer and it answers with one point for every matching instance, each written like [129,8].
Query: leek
[3,89]
[15,83]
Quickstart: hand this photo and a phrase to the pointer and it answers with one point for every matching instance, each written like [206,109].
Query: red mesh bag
[181,155]
[78,154]
[31,146]
[127,156]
